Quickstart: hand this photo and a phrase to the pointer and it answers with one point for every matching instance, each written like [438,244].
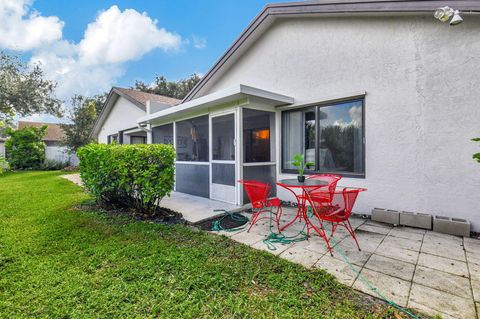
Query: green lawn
[59,262]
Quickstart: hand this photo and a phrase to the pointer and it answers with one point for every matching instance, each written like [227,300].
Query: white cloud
[355,113]
[118,36]
[23,29]
[95,63]
[199,43]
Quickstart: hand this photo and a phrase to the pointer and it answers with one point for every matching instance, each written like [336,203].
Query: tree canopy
[24,90]
[82,115]
[176,89]
[25,147]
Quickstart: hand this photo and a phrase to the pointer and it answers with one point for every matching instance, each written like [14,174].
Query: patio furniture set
[319,201]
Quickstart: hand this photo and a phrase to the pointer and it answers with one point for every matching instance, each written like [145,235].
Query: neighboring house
[55,150]
[377,91]
[118,119]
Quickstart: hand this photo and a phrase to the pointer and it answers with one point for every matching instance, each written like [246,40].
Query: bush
[53,165]
[136,176]
[3,165]
[476,156]
[25,148]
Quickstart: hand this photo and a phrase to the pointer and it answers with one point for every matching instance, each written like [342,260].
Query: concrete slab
[447,246]
[455,285]
[369,241]
[279,248]
[398,253]
[374,229]
[476,290]
[432,302]
[391,267]
[337,268]
[350,250]
[473,258]
[451,266]
[406,232]
[298,254]
[194,208]
[248,238]
[472,245]
[474,270]
[404,243]
[477,304]
[392,288]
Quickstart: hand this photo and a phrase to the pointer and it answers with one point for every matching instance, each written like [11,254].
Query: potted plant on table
[300,164]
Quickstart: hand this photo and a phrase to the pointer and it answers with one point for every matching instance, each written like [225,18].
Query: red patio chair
[258,193]
[338,211]
[325,194]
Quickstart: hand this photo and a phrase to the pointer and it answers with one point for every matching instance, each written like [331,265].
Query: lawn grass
[59,262]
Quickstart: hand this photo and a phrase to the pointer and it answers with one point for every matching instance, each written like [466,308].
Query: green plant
[53,165]
[25,148]
[300,164]
[136,176]
[3,165]
[476,156]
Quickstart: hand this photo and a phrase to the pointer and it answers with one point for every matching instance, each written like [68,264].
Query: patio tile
[350,250]
[407,232]
[279,248]
[474,271]
[444,246]
[403,243]
[472,245]
[315,244]
[337,268]
[444,237]
[447,265]
[432,301]
[477,304]
[368,241]
[473,258]
[393,288]
[374,229]
[476,290]
[398,253]
[391,267]
[357,222]
[442,281]
[300,255]
[378,224]
[248,238]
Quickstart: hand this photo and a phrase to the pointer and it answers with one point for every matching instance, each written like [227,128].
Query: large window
[330,135]
[192,139]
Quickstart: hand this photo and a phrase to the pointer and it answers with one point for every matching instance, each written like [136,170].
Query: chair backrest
[257,192]
[331,179]
[344,199]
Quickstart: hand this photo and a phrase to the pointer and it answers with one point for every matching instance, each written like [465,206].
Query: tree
[82,116]
[25,147]
[24,91]
[176,89]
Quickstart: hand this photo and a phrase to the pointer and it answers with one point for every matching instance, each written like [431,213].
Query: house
[55,149]
[118,119]
[380,92]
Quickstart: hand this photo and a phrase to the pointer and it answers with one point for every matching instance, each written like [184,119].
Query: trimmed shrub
[136,176]
[25,148]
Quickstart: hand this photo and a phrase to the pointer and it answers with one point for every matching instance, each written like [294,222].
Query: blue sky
[89,46]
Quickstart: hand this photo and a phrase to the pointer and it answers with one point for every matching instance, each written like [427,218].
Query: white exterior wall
[421,108]
[123,115]
[60,154]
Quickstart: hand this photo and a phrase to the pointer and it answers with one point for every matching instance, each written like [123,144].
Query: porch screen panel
[258,136]
[223,136]
[192,139]
[223,174]
[262,173]
[162,134]
[193,179]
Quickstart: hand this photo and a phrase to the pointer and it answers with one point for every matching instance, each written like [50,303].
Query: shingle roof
[54,131]
[143,97]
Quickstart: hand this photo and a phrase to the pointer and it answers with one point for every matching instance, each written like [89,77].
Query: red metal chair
[325,194]
[258,193]
[338,211]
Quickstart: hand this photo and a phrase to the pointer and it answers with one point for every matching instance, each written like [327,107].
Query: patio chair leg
[349,227]
[279,215]
[253,220]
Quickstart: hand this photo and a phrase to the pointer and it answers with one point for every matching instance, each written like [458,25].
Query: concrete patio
[430,272]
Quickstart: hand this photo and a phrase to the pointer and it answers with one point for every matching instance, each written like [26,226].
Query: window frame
[318,106]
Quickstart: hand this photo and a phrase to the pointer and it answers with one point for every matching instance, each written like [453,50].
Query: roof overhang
[272,12]
[220,97]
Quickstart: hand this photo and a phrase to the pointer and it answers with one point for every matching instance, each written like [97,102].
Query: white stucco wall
[422,82]
[123,116]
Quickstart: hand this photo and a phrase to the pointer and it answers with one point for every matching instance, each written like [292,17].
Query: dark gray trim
[272,11]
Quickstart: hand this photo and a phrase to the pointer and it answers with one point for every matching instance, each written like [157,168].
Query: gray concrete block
[386,216]
[452,226]
[419,220]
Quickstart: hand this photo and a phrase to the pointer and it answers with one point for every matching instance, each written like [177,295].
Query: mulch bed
[226,221]
[162,215]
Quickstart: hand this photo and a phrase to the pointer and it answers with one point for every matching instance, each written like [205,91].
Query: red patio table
[306,187]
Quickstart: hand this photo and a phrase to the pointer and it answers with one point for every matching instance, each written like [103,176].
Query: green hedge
[136,176]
